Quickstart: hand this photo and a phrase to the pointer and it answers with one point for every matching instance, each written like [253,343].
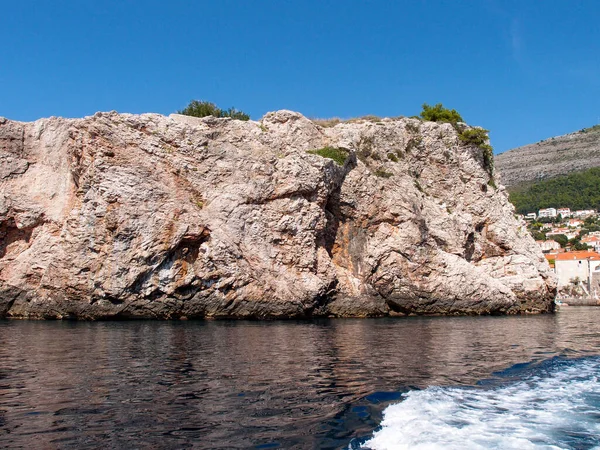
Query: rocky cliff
[120,216]
[551,157]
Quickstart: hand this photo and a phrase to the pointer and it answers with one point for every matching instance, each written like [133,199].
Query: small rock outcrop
[147,216]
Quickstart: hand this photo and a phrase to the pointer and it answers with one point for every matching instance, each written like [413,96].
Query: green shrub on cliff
[474,136]
[382,173]
[469,136]
[479,137]
[438,113]
[339,155]
[198,108]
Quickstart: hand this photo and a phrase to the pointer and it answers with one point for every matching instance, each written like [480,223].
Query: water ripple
[236,384]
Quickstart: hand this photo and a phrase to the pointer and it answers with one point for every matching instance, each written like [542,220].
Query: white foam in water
[556,409]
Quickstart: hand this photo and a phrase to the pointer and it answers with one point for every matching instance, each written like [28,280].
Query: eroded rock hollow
[147,216]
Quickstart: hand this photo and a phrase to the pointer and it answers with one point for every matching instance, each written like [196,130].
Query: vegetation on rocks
[438,113]
[327,123]
[383,173]
[591,129]
[475,136]
[198,108]
[339,155]
[469,136]
[479,137]
[333,121]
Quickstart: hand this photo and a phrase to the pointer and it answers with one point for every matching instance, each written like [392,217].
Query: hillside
[580,190]
[550,158]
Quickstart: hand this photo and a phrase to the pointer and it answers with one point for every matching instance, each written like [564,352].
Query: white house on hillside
[570,234]
[583,213]
[592,241]
[548,245]
[575,266]
[548,212]
[564,212]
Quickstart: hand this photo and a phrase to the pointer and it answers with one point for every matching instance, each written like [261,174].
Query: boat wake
[554,404]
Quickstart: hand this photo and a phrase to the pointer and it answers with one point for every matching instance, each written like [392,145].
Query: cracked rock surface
[147,216]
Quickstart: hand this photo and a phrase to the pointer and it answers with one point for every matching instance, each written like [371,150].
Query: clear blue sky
[527,69]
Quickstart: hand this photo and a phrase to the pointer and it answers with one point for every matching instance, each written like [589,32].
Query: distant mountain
[550,158]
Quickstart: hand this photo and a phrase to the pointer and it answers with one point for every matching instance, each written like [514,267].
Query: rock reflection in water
[244,384]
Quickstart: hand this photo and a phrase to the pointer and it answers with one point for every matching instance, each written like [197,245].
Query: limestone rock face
[119,216]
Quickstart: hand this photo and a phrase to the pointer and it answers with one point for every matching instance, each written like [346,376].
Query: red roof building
[578,255]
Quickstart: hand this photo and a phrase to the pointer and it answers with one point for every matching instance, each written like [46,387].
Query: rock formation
[146,216]
[549,158]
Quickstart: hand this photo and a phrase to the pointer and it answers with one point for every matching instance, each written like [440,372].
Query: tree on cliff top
[198,108]
[438,113]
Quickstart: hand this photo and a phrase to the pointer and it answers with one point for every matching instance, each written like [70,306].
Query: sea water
[553,404]
[417,382]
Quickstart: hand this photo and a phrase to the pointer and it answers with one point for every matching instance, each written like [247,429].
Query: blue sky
[527,70]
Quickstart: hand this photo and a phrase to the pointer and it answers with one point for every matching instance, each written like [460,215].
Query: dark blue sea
[420,383]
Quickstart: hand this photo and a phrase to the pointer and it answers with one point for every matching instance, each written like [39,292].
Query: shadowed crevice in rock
[334,215]
[333,210]
[12,140]
[470,246]
[421,223]
[8,296]
[110,299]
[184,254]
[10,234]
